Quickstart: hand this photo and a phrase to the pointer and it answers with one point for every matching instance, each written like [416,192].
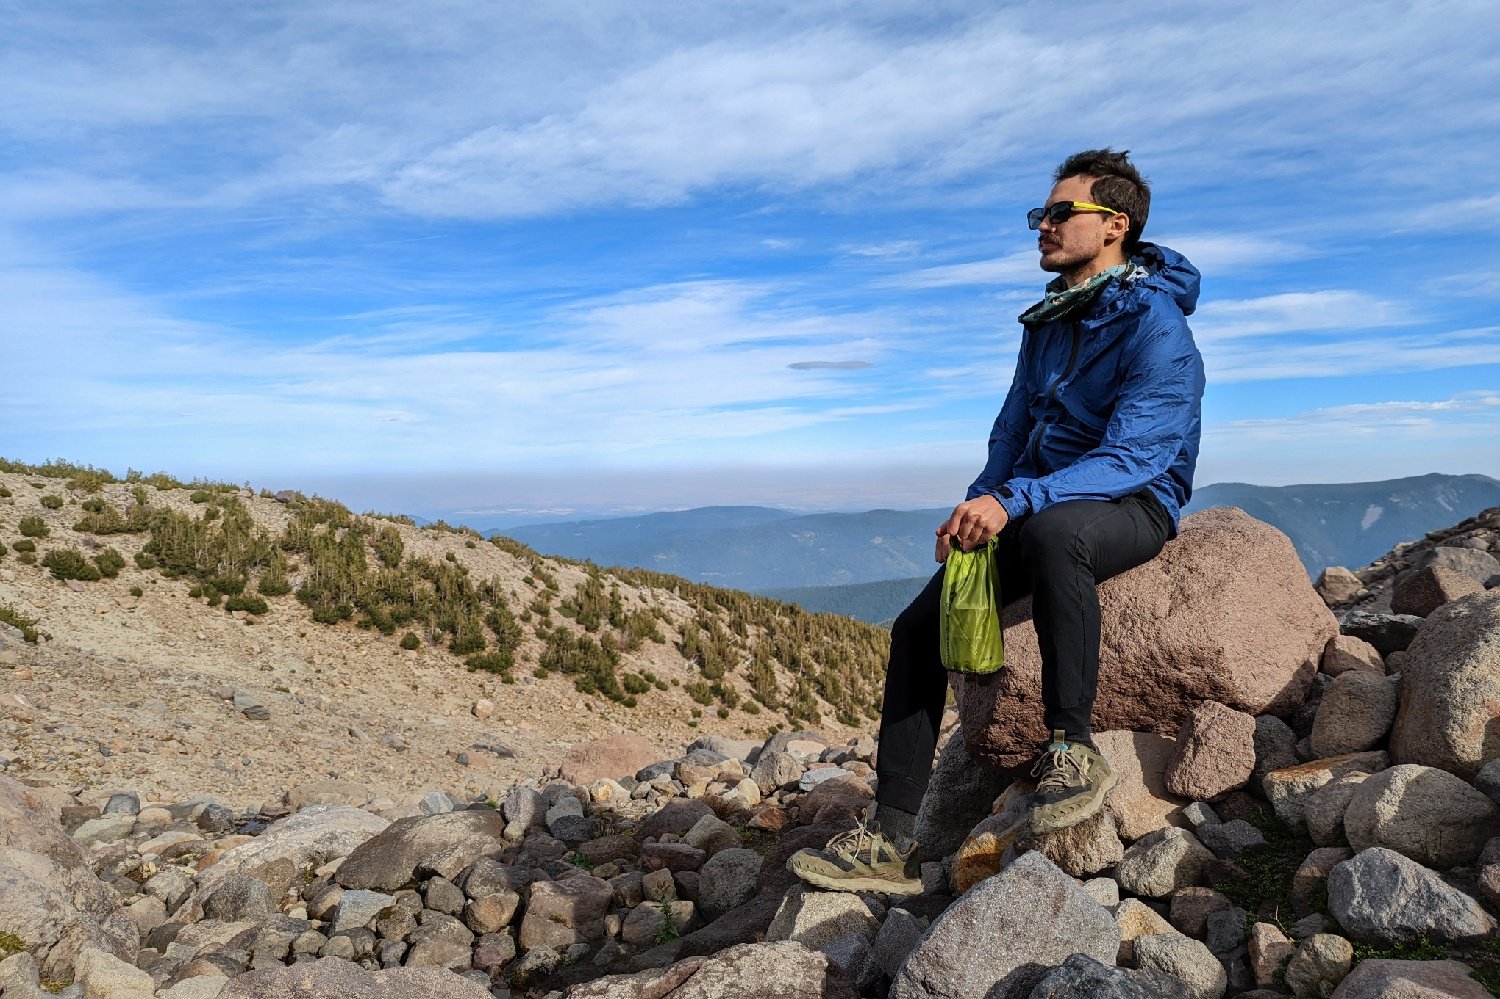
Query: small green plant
[1421,949]
[136,591]
[25,625]
[500,663]
[410,641]
[10,944]
[248,604]
[24,545]
[201,496]
[1268,868]
[5,493]
[69,563]
[109,562]
[32,527]
[668,931]
[27,558]
[52,501]
[145,561]
[583,860]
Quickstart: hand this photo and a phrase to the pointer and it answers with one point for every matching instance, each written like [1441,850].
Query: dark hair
[1117,184]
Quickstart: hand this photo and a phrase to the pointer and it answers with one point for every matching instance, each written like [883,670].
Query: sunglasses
[1060,211]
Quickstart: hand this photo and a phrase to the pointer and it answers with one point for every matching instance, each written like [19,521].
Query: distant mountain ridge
[833,561]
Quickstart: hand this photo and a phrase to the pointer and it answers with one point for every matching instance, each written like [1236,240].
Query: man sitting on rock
[1090,462]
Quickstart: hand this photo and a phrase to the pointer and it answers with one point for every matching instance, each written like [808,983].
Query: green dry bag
[969,627]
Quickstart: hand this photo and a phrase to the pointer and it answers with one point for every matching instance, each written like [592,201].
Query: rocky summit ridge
[1312,809]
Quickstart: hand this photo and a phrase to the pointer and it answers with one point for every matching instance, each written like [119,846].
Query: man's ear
[1116,227]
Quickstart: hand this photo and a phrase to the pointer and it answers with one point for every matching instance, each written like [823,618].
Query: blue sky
[518,260]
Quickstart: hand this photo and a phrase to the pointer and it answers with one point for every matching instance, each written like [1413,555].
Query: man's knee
[1052,535]
[920,615]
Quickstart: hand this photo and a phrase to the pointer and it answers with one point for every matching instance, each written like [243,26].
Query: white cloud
[1291,312]
[1021,268]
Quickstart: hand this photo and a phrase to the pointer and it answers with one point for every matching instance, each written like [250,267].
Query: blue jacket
[1105,404]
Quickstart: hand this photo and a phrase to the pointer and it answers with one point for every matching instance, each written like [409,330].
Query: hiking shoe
[862,859]
[1073,780]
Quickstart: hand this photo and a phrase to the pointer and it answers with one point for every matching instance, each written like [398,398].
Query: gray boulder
[784,970]
[1183,958]
[1355,713]
[727,880]
[1381,979]
[332,978]
[412,848]
[999,939]
[1082,977]
[1386,632]
[310,838]
[1380,896]
[1159,863]
[1427,814]
[1451,684]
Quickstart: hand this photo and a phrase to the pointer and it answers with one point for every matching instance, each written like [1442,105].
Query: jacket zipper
[1036,440]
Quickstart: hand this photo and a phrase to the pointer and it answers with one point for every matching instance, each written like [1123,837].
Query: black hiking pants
[1057,556]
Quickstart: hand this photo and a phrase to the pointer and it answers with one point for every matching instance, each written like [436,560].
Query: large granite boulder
[1382,897]
[308,839]
[617,756]
[415,847]
[1186,627]
[50,899]
[1424,813]
[1382,979]
[1000,940]
[959,794]
[1450,694]
[333,978]
[783,970]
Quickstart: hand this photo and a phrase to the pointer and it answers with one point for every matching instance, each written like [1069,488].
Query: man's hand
[973,523]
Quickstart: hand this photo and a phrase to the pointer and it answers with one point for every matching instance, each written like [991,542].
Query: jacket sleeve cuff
[1014,503]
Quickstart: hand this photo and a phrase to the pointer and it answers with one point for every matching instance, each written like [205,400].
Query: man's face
[1078,240]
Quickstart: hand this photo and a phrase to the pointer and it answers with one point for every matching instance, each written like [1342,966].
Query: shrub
[32,527]
[25,625]
[273,583]
[52,501]
[410,641]
[388,546]
[144,560]
[136,591]
[69,563]
[110,562]
[492,662]
[636,684]
[5,493]
[201,496]
[250,605]
[27,558]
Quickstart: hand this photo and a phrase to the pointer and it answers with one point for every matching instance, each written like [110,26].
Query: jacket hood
[1169,272]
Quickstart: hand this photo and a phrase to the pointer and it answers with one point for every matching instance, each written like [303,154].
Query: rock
[1140,802]
[1215,753]
[1162,862]
[1310,881]
[671,856]
[1489,871]
[19,977]
[1289,789]
[1191,907]
[414,847]
[1451,689]
[1082,977]
[1269,950]
[1225,931]
[1379,895]
[616,756]
[1337,585]
[898,936]
[734,749]
[483,709]
[327,792]
[1345,652]
[50,899]
[1228,840]
[358,908]
[1136,919]
[1185,959]
[237,899]
[648,922]
[104,829]
[562,913]
[1185,627]
[784,970]
[1387,633]
[524,806]
[436,803]
[1380,979]
[999,940]
[727,881]
[332,978]
[959,794]
[1424,813]
[104,976]
[1469,561]
[312,837]
[675,817]
[1321,962]
[200,987]
[124,802]
[775,770]
[814,918]
[1325,808]
[1422,591]
[712,835]
[812,778]
[1275,747]
[252,705]
[1355,713]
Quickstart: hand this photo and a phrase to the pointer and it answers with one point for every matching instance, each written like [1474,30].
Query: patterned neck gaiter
[1062,301]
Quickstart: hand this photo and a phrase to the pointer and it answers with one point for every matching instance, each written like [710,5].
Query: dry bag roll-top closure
[969,631]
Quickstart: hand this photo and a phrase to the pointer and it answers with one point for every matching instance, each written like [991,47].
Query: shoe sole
[880,885]
[1093,809]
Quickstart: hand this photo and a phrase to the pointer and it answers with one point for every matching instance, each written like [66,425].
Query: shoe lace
[864,837]
[1056,769]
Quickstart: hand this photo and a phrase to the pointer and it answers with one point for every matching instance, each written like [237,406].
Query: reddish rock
[1422,591]
[1225,613]
[1337,585]
[619,755]
[768,815]
[1215,753]
[1140,802]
